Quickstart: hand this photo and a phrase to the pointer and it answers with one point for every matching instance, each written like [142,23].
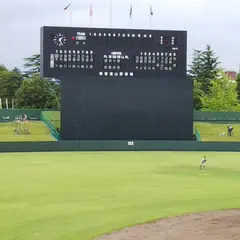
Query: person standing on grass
[203,162]
[230,130]
[24,117]
[25,123]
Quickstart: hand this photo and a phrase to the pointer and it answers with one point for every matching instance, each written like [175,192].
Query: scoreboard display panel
[102,52]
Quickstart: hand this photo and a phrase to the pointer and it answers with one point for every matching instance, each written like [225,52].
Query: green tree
[36,93]
[17,75]
[32,64]
[55,85]
[210,67]
[222,95]
[10,82]
[195,68]
[198,94]
[194,74]
[3,68]
[238,86]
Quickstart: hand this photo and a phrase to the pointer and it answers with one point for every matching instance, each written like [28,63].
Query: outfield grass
[213,131]
[39,132]
[59,196]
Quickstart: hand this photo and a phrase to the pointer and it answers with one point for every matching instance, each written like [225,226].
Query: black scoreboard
[120,84]
[112,52]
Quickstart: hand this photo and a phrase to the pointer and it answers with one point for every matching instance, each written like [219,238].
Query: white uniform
[203,163]
[24,118]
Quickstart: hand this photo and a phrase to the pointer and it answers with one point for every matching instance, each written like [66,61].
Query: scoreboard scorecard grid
[67,51]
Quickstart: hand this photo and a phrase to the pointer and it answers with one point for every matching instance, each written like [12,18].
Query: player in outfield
[203,162]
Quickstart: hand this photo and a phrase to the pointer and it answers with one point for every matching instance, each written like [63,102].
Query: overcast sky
[214,22]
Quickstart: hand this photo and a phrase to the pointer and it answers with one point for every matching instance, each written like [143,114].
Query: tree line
[28,89]
[212,89]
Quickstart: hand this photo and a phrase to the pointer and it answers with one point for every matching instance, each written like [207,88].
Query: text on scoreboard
[68,51]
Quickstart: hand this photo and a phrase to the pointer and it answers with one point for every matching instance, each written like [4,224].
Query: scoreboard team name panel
[112,52]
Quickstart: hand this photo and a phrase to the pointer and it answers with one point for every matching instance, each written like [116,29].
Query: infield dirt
[220,225]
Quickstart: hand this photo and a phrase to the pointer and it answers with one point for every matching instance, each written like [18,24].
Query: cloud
[212,22]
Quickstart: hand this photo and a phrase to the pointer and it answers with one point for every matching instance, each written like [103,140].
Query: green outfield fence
[197,134]
[60,146]
[216,116]
[50,126]
[8,115]
[54,115]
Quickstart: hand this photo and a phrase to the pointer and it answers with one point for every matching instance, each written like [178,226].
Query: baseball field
[60,196]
